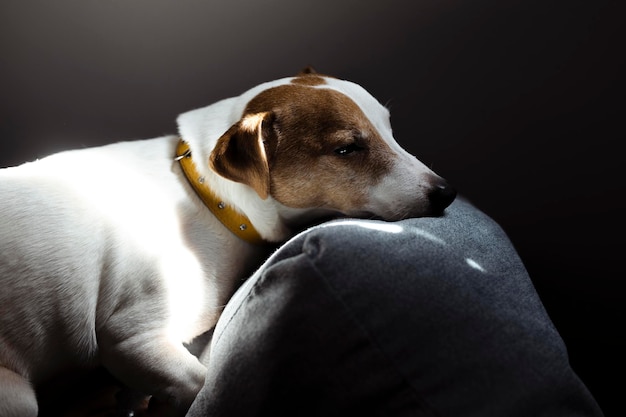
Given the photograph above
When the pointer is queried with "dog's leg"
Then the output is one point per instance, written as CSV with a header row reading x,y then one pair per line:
x,y
157,366
17,397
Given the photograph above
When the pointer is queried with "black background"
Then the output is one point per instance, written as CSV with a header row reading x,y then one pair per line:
x,y
519,104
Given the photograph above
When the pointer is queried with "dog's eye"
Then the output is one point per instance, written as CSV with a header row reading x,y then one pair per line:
x,y
348,149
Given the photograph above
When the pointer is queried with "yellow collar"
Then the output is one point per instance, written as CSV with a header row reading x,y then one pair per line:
x,y
234,221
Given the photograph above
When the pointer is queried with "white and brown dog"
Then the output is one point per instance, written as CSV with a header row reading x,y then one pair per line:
x,y
109,255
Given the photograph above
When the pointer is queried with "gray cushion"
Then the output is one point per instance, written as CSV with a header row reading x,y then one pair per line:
x,y
422,317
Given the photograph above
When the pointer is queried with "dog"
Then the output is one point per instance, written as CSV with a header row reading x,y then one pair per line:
x,y
116,255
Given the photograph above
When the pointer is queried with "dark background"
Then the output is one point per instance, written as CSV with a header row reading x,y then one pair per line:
x,y
519,104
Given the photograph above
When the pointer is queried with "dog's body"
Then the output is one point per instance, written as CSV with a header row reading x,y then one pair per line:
x,y
109,257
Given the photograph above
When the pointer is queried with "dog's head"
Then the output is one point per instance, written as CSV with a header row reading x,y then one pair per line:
x,y
317,142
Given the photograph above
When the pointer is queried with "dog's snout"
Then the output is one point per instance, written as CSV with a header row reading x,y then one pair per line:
x,y
440,196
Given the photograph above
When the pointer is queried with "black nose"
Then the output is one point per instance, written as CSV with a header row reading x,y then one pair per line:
x,y
441,195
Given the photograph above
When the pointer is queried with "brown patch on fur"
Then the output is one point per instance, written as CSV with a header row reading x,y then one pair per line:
x,y
306,128
308,76
311,79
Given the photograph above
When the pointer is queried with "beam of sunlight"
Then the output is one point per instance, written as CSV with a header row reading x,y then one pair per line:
x,y
427,235
381,226
474,264
185,287
378,226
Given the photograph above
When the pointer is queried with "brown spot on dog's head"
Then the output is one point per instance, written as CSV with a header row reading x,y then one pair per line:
x,y
314,147
308,76
309,80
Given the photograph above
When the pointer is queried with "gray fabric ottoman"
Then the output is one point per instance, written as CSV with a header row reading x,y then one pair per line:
x,y
422,317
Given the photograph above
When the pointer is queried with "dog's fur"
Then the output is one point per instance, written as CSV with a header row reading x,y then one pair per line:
x,y
108,257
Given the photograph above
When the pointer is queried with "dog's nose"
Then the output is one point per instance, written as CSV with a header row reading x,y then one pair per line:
x,y
441,195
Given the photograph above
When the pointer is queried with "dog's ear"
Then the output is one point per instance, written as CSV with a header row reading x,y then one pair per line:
x,y
242,153
307,70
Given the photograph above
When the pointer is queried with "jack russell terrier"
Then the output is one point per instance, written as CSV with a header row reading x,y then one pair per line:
x,y
117,255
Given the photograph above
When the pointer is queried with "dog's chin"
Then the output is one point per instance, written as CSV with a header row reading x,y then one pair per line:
x,y
360,214
395,216
319,216
326,215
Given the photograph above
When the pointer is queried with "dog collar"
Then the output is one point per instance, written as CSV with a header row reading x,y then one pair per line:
x,y
234,221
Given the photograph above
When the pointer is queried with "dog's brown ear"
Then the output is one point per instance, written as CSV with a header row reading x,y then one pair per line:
x,y
307,70
241,154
